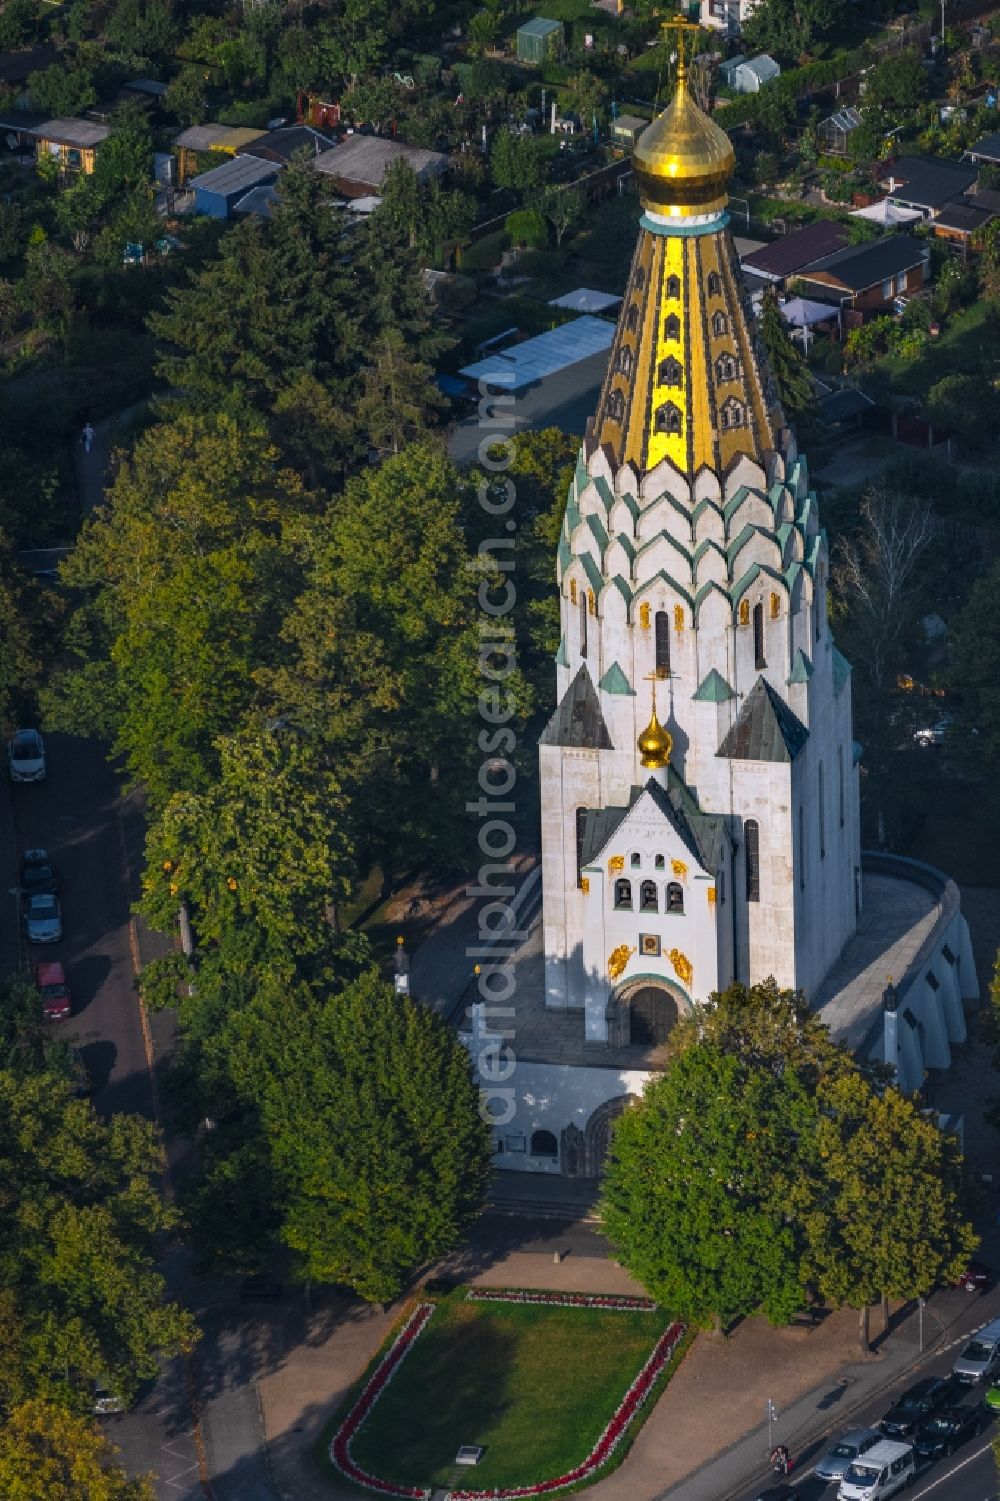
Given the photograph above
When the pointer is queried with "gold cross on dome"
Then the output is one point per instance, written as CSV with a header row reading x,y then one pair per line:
x,y
650,677
683,28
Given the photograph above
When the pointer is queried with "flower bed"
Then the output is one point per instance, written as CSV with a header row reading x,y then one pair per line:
x,y
609,1439
560,1300
340,1448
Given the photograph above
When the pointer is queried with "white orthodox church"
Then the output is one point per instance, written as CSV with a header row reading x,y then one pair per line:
x,y
699,778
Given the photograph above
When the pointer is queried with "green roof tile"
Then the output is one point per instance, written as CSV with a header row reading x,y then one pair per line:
x,y
841,670
802,669
604,491
561,659
713,689
615,681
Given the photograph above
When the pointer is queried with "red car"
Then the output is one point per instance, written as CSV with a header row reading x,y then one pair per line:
x,y
976,1278
51,981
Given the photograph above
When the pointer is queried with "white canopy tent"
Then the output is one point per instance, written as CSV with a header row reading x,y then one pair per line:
x,y
886,213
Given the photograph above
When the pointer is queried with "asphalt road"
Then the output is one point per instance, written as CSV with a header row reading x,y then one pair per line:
x,y
970,1474
74,814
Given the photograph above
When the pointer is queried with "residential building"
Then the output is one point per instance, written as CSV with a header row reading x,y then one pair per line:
x,y
867,278
926,183
986,149
727,16
787,257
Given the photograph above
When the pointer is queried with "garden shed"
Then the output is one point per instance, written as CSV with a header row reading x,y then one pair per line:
x,y
539,39
216,193
835,131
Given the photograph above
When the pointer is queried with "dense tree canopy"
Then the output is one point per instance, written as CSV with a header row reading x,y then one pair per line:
x,y
49,1454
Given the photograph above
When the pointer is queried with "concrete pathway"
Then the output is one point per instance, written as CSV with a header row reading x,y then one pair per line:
x,y
92,467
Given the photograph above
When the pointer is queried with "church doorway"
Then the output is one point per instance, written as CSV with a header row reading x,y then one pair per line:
x,y
652,1015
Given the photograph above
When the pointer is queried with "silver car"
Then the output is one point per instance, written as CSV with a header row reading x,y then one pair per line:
x,y
43,918
26,756
845,1451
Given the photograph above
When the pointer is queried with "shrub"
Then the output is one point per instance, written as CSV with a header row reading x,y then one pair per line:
x,y
484,254
528,227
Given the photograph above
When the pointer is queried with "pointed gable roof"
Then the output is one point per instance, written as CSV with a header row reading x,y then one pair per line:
x,y
765,729
700,833
578,723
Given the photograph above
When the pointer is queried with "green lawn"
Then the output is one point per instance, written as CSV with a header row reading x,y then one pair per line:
x,y
535,1386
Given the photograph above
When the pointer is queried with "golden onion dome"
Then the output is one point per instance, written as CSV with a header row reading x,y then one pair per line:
x,y
655,744
683,160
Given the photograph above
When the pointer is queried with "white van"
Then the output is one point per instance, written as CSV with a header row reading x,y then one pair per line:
x,y
881,1472
980,1359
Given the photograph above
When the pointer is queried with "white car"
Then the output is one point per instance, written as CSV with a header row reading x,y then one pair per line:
x,y
42,918
933,735
26,756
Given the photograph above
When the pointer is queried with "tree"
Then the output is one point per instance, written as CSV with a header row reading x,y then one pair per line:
x,y
47,290
792,28
898,82
62,90
516,161
875,573
79,1298
790,371
18,24
564,208
585,96
261,851
973,656
399,400
363,1107
527,226
185,574
892,1221
48,1454
989,261
706,1167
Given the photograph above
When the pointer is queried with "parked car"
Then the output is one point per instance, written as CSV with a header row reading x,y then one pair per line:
x,y
976,1278
57,1003
106,1402
26,756
919,1402
932,736
942,1434
37,874
43,918
848,1447
980,1360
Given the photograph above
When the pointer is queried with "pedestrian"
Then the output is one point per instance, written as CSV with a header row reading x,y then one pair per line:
x,y
87,436
780,1461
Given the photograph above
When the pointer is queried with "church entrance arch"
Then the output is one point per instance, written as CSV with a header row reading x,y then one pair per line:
x,y
585,1152
644,1012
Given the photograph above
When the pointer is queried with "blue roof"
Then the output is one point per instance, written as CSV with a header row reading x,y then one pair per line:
x,y
237,176
523,365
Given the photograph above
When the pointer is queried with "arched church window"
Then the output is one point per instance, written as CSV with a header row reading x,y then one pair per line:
x,y
725,368
670,371
733,413
668,418
671,326
662,644
544,1144
635,861
714,284
625,360
648,901
583,622
660,863
759,658
673,286
616,406
581,828
640,278
720,324
751,852
675,896
632,318
623,895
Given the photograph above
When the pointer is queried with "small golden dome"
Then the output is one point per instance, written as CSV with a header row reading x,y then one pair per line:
x,y
683,160
655,744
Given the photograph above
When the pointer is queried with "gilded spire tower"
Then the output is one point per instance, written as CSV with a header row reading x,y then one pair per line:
x,y
692,553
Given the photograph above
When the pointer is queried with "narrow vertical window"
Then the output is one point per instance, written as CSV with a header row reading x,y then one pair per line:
x,y
802,849
751,838
822,815
581,825
662,644
759,658
820,604
583,622
840,780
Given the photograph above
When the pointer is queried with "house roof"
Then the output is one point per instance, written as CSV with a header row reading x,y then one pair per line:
x,y
927,181
72,132
525,364
237,176
150,86
260,201
586,300
765,729
281,145
762,66
858,267
964,216
628,122
803,247
366,159
578,723
986,148
216,137
846,119
702,834
539,26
